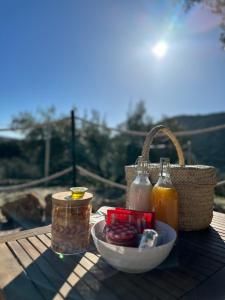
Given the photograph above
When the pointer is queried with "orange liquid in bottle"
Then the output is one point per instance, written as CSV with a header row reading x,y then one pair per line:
x,y
165,201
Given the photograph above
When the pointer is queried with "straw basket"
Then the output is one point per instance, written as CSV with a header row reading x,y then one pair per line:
x,y
194,184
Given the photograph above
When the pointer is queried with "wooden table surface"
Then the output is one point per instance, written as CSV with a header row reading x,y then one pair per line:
x,y
195,269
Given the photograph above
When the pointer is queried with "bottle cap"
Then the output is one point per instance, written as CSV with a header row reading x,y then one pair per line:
x,y
163,161
141,165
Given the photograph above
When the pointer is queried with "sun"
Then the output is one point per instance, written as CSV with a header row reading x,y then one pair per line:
x,y
160,49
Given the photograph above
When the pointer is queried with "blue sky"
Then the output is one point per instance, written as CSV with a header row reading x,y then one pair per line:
x,y
97,54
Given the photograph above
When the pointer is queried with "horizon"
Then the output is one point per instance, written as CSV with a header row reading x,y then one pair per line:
x,y
108,56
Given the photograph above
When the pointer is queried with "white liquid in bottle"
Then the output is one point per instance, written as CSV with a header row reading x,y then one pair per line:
x,y
140,189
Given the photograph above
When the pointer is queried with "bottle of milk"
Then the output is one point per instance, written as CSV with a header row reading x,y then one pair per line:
x,y
140,189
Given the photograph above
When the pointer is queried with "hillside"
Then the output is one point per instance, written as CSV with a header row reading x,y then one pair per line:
x,y
207,148
200,121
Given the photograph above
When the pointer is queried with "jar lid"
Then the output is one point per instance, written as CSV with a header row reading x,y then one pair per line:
x,y
65,199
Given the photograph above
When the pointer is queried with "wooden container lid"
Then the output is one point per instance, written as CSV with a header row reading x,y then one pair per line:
x,y
64,199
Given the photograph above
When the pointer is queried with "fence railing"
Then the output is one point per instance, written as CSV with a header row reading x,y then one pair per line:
x,y
82,171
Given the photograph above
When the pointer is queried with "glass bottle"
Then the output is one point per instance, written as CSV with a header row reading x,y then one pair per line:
x,y
140,188
165,197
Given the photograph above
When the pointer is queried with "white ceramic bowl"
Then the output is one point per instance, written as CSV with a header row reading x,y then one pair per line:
x,y
132,260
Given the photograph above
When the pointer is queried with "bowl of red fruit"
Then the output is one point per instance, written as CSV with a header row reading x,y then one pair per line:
x,y
118,244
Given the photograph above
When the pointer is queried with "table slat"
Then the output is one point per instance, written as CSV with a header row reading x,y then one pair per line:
x,y
213,288
24,234
31,268
61,287
13,280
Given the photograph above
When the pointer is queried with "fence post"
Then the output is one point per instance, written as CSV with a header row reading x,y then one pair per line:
x,y
47,134
73,148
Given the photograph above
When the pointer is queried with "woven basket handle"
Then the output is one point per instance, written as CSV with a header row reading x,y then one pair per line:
x,y
150,136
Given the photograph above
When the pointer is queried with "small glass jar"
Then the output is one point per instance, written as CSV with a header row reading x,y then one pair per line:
x,y
70,223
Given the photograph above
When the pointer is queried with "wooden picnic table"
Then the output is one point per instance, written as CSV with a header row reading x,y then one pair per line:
x,y
195,269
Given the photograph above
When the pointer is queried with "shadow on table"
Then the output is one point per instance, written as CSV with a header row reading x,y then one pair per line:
x,y
87,276
49,276
203,254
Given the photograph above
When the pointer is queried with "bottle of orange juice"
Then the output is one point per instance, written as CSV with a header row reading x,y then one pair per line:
x,y
165,197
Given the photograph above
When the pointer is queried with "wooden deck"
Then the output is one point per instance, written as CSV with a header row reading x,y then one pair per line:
x,y
194,270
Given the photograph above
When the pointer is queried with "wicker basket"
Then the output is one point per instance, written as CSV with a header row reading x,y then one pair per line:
x,y
194,184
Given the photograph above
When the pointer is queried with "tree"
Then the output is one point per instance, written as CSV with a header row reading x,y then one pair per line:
x,y
126,148
94,147
33,145
215,6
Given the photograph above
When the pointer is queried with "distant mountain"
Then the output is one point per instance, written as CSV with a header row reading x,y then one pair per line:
x,y
207,148
200,121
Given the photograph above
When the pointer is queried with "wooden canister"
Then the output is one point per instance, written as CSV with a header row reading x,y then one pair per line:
x,y
70,223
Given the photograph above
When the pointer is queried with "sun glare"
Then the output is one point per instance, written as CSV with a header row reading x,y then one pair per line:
x,y
160,49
